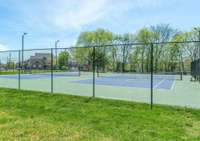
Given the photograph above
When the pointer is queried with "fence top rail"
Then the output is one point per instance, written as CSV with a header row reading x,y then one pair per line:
x,y
106,45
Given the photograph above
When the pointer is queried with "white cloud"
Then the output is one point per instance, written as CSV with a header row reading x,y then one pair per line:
x,y
65,19
67,14
62,14
86,12
3,47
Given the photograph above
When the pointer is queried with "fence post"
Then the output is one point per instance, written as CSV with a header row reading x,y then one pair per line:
x,y
93,67
51,70
181,67
152,65
19,70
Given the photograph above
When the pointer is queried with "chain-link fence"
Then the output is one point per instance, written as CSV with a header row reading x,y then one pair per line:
x,y
160,73
195,66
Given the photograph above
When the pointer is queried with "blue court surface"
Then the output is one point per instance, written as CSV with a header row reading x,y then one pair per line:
x,y
136,81
164,82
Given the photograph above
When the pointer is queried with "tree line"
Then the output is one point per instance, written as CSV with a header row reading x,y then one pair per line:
x,y
132,58
136,58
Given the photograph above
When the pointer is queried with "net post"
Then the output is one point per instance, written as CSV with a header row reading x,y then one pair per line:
x,y
22,63
181,75
93,68
181,68
79,70
51,70
19,70
152,75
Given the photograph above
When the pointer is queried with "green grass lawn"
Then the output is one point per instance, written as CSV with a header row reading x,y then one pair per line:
x,y
35,116
12,72
8,72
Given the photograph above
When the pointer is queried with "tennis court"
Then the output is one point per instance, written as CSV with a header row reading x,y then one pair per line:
x,y
165,82
130,75
167,89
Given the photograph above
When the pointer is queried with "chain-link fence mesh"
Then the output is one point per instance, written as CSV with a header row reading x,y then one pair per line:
x,y
153,72
9,67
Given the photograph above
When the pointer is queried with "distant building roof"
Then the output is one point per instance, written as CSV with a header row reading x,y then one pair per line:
x,y
40,55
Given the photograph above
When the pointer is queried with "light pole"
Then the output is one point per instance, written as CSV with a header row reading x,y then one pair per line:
x,y
56,46
198,52
23,35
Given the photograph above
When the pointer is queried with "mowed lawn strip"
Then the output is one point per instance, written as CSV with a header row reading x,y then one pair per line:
x,y
37,116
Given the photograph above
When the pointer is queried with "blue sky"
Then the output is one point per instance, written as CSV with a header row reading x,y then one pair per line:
x,y
49,20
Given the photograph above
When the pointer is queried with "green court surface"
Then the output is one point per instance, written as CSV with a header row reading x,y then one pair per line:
x,y
183,93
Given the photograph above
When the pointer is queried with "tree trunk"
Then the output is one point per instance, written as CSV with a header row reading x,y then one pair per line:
x,y
143,59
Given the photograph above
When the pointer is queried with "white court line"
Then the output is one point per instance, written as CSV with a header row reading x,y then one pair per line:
x,y
128,80
159,83
173,85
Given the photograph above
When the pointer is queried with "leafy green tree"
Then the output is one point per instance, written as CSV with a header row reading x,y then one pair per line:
x,y
167,57
134,59
98,38
11,65
63,59
191,49
145,36
177,53
161,33
124,39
